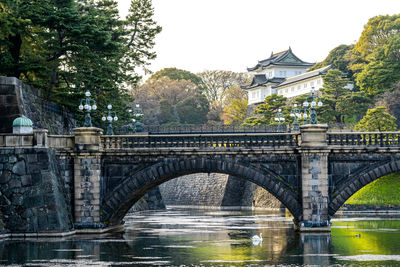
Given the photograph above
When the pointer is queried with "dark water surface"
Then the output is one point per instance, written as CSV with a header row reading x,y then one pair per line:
x,y
182,237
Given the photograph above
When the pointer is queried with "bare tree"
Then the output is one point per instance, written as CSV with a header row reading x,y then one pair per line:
x,y
217,82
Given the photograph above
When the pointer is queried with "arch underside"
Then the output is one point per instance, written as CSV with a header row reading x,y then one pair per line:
x,y
118,202
354,182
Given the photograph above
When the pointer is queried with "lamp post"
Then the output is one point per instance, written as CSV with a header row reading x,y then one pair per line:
x,y
296,113
138,113
108,115
87,104
312,106
279,117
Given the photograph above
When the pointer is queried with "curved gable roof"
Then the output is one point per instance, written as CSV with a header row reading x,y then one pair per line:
x,y
283,58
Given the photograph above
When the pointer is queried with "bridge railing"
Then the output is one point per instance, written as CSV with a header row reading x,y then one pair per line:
x,y
377,139
200,140
61,141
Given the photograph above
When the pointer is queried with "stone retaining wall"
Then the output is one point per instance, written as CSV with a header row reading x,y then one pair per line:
x,y
32,197
17,98
217,190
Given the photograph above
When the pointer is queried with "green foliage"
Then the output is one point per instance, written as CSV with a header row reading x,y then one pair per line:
x,y
167,112
337,58
67,47
235,112
193,110
178,74
377,119
384,191
375,57
383,68
268,110
340,103
166,100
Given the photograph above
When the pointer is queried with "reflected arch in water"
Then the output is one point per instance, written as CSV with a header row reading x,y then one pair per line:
x,y
355,181
135,185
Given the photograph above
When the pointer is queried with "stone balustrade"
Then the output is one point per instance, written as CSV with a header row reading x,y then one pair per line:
x,y
201,140
364,139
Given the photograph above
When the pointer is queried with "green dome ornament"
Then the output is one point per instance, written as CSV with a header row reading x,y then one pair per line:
x,y
22,125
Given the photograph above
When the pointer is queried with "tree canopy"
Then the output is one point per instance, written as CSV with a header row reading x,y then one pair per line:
x,y
67,47
268,110
377,119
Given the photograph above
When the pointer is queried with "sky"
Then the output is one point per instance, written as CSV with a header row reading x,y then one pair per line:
x,y
232,35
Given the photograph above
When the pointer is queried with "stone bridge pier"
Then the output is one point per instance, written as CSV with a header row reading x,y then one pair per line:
x,y
314,178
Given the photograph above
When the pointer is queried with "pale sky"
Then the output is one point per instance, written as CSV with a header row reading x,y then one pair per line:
x,y
232,35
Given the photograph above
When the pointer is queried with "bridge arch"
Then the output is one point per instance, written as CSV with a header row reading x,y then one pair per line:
x,y
118,202
356,181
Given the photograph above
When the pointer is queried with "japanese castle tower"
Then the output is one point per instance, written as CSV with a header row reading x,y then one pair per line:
x,y
284,74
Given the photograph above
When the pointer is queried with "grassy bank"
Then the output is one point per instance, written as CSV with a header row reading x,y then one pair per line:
x,y
384,191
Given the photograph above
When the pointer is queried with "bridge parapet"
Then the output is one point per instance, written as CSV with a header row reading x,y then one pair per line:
x,y
251,140
36,139
364,139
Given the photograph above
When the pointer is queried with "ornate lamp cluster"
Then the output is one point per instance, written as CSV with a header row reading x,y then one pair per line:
x,y
279,118
309,111
110,116
87,104
138,114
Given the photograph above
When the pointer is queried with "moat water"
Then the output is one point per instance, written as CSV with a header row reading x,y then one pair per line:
x,y
182,237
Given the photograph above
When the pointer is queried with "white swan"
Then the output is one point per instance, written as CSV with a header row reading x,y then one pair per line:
x,y
257,238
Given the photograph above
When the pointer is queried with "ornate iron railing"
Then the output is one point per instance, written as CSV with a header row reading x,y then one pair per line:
x,y
200,140
380,139
202,129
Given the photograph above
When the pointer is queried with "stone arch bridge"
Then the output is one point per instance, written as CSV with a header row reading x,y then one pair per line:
x,y
312,172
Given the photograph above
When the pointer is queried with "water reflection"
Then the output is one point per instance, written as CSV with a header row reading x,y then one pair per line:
x,y
223,238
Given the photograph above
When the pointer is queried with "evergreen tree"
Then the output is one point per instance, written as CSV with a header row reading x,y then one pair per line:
x,y
339,101
377,119
68,47
375,57
268,110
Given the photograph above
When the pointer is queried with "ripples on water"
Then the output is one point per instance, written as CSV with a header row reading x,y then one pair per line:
x,y
217,238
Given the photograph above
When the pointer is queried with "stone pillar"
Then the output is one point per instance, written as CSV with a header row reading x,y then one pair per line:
x,y
40,138
314,173
87,165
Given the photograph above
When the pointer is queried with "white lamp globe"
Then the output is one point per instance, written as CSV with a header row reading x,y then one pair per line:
x,y
94,107
86,106
87,94
103,118
313,104
115,118
320,103
305,115
305,103
109,118
81,107
109,106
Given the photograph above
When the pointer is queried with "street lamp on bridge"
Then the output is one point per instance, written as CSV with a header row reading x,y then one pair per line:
x,y
137,114
311,107
279,117
108,115
296,113
87,104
